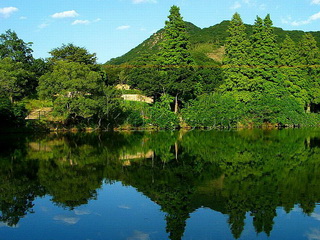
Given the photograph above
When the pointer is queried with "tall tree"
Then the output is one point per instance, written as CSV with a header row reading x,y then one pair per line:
x,y
174,54
175,45
237,50
310,59
264,58
291,72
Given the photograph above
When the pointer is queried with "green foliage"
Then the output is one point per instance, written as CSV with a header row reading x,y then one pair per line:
x,y
134,113
174,50
11,115
212,110
72,53
13,78
73,87
15,48
161,116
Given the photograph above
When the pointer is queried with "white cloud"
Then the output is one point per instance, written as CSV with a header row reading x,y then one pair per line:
x,y
315,2
315,17
43,25
312,18
262,6
23,18
85,22
97,20
124,27
144,1
65,14
82,22
7,11
235,6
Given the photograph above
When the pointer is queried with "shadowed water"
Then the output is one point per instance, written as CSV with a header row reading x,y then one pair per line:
x,y
247,184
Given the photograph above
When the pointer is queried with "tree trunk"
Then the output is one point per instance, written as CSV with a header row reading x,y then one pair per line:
x,y
308,110
176,105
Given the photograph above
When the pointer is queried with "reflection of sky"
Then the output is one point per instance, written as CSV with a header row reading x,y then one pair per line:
x,y
120,212
123,213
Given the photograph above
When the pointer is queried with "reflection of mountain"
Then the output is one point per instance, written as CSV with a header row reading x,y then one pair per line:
x,y
230,172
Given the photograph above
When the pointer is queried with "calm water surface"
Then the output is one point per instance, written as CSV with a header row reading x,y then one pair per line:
x,y
248,184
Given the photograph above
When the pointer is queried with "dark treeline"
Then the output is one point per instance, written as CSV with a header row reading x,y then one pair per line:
x,y
230,172
254,80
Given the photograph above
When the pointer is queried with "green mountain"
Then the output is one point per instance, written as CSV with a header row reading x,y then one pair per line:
x,y
206,43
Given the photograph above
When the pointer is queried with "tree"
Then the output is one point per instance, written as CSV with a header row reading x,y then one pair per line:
x,y
175,45
291,72
11,46
13,78
15,48
72,53
174,54
237,49
309,58
73,87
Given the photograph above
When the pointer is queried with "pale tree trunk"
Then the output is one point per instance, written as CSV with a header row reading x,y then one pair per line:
x,y
176,105
176,149
308,110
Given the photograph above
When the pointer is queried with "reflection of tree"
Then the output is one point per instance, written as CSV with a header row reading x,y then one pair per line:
x,y
231,172
19,185
70,186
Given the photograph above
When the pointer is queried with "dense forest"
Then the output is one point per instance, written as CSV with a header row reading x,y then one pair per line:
x,y
228,75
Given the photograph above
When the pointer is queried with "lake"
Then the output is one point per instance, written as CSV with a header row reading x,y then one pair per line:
x,y
239,184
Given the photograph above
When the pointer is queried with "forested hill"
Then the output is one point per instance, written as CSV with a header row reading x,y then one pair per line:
x,y
205,43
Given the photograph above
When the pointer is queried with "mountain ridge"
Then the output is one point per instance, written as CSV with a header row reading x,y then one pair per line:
x,y
205,43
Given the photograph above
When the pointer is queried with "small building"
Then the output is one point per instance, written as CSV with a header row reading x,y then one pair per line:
x,y
137,98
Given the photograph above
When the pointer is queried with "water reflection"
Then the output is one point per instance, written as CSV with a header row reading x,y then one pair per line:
x,y
232,172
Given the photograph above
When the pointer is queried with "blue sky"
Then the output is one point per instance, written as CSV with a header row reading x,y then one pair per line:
x,y
110,28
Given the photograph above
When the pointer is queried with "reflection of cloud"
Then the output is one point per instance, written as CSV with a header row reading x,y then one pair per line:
x,y
2,224
44,209
316,216
68,220
137,235
81,212
314,234
124,207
